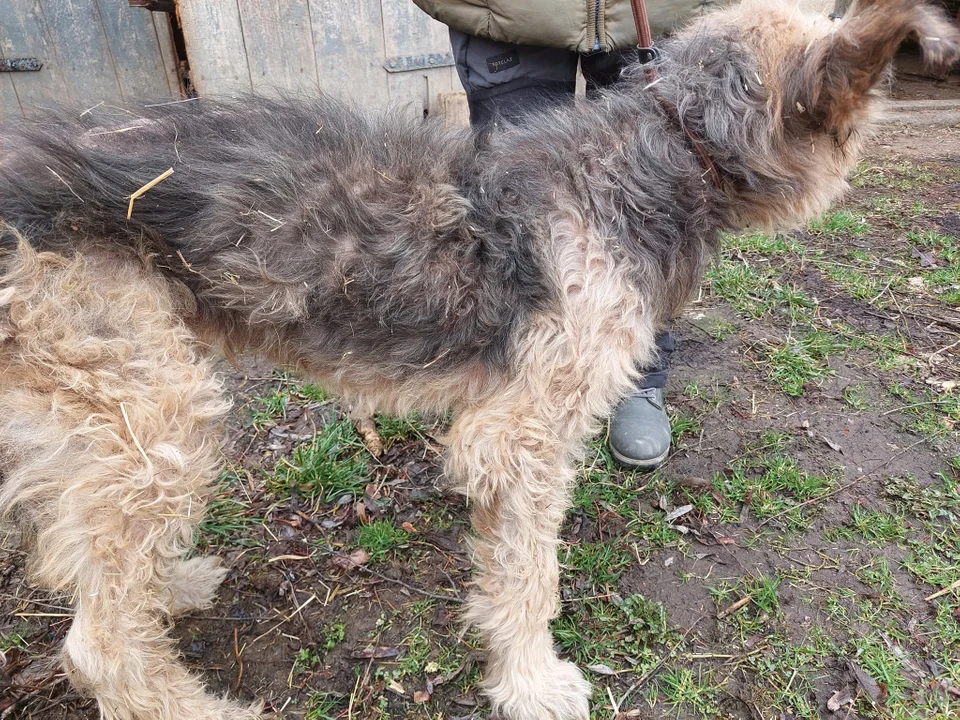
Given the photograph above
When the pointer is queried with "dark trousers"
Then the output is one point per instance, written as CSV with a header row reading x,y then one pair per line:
x,y
507,80
503,80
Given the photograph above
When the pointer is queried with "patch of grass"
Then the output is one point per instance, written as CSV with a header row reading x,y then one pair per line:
x,y
944,279
839,223
931,414
770,483
305,659
311,392
682,426
602,563
601,631
902,175
897,211
682,689
861,283
414,661
323,706
938,501
877,575
16,638
398,429
764,244
722,330
270,409
754,617
878,528
711,396
327,467
333,635
856,397
380,538
800,361
755,293
227,519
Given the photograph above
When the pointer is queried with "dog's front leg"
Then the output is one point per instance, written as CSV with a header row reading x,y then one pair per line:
x,y
514,470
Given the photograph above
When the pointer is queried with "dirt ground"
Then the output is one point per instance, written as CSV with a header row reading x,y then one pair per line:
x,y
797,557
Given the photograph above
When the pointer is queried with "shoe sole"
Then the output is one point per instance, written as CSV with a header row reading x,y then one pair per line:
x,y
642,465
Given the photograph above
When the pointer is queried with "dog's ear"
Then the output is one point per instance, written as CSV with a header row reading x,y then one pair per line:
x,y
841,68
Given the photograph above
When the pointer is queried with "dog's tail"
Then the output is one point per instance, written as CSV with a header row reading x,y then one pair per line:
x,y
66,177
69,175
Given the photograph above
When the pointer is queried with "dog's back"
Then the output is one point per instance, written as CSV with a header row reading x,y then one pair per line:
x,y
335,232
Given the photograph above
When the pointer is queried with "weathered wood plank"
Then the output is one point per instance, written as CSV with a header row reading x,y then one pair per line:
x,y
9,104
279,45
24,33
215,46
135,47
410,31
348,39
85,59
161,24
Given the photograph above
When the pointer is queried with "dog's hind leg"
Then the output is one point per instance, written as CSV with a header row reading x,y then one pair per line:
x,y
106,418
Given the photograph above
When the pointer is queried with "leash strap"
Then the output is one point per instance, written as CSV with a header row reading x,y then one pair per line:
x,y
646,54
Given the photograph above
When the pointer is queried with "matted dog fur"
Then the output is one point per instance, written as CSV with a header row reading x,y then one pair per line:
x,y
515,277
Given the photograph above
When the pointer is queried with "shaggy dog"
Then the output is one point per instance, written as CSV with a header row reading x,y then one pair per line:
x,y
517,278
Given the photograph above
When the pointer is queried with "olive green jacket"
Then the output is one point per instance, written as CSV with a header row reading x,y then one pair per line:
x,y
581,25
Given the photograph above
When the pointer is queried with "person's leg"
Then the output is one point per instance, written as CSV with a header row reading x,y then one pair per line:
x,y
639,427
503,80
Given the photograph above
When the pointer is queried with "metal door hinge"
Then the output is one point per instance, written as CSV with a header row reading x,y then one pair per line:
x,y
405,63
155,5
20,65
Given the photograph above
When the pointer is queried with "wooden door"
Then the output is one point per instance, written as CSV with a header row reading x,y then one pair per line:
x,y
91,51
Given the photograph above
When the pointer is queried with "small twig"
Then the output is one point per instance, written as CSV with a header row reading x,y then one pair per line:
x,y
656,668
840,489
156,181
445,598
57,176
885,288
953,586
940,351
172,102
126,419
742,602
915,405
236,654
90,109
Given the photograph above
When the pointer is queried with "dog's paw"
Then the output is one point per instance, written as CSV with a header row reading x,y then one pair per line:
x,y
552,690
194,584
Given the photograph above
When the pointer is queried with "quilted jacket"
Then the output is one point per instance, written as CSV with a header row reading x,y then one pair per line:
x,y
582,25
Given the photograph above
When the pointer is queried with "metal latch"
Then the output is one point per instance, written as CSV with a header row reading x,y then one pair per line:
x,y
405,63
20,65
167,6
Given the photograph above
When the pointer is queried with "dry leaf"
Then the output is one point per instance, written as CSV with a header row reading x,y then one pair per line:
x,y
869,685
679,512
349,562
601,670
838,700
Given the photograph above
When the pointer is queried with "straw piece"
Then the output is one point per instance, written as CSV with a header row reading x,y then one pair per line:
x,y
157,180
